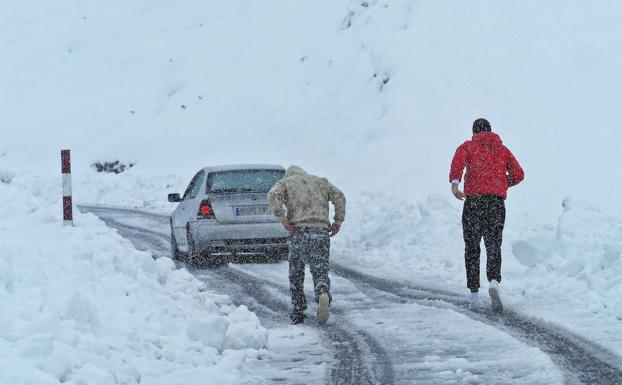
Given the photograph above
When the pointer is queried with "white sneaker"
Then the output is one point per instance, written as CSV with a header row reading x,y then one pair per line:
x,y
493,290
322,311
474,302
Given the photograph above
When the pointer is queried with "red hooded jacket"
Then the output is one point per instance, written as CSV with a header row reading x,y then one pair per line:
x,y
490,167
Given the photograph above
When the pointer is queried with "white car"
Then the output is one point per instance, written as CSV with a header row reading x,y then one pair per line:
x,y
225,213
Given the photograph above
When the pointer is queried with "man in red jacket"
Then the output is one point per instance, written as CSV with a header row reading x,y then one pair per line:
x,y
490,170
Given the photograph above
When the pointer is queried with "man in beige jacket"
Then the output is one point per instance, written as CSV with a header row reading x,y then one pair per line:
x,y
306,198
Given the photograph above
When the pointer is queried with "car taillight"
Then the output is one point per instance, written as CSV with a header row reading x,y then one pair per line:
x,y
205,210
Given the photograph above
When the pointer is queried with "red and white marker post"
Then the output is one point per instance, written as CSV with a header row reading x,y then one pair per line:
x,y
67,204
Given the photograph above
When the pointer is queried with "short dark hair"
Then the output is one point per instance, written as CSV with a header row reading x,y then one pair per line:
x,y
481,125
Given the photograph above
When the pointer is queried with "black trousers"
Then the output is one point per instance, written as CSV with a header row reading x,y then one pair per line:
x,y
483,216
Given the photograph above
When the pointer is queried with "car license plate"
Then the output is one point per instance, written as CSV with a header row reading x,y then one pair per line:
x,y
251,210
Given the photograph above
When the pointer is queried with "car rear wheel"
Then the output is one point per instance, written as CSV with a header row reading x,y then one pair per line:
x,y
200,259
174,249
193,257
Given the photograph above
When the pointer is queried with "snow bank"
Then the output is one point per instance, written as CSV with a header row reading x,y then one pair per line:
x,y
578,265
587,242
81,305
133,188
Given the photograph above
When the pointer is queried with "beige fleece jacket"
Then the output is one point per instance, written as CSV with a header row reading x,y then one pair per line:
x,y
306,198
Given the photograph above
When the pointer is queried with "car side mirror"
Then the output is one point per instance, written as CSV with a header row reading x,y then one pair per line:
x,y
174,198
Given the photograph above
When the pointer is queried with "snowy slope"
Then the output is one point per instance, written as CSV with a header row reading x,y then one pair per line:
x,y
209,82
374,94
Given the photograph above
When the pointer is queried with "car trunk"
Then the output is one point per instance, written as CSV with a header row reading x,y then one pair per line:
x,y
232,208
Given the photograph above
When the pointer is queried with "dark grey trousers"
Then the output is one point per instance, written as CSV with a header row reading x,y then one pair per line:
x,y
312,246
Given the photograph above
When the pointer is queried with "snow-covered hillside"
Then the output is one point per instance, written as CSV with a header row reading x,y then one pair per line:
x,y
374,94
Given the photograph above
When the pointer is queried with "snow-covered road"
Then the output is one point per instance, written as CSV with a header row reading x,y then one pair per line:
x,y
384,332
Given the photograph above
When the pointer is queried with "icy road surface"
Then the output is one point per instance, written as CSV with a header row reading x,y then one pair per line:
x,y
384,332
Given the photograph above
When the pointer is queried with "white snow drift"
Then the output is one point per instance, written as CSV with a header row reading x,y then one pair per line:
x,y
81,306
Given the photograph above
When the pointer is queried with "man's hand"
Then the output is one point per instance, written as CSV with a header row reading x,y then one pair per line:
x,y
288,225
334,229
456,191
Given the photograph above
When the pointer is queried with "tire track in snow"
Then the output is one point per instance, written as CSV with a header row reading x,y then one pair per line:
x,y
584,362
359,359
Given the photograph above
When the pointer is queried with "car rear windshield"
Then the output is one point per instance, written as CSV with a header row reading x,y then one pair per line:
x,y
243,180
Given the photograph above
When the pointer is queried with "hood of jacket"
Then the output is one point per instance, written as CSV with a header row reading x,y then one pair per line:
x,y
488,140
294,170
